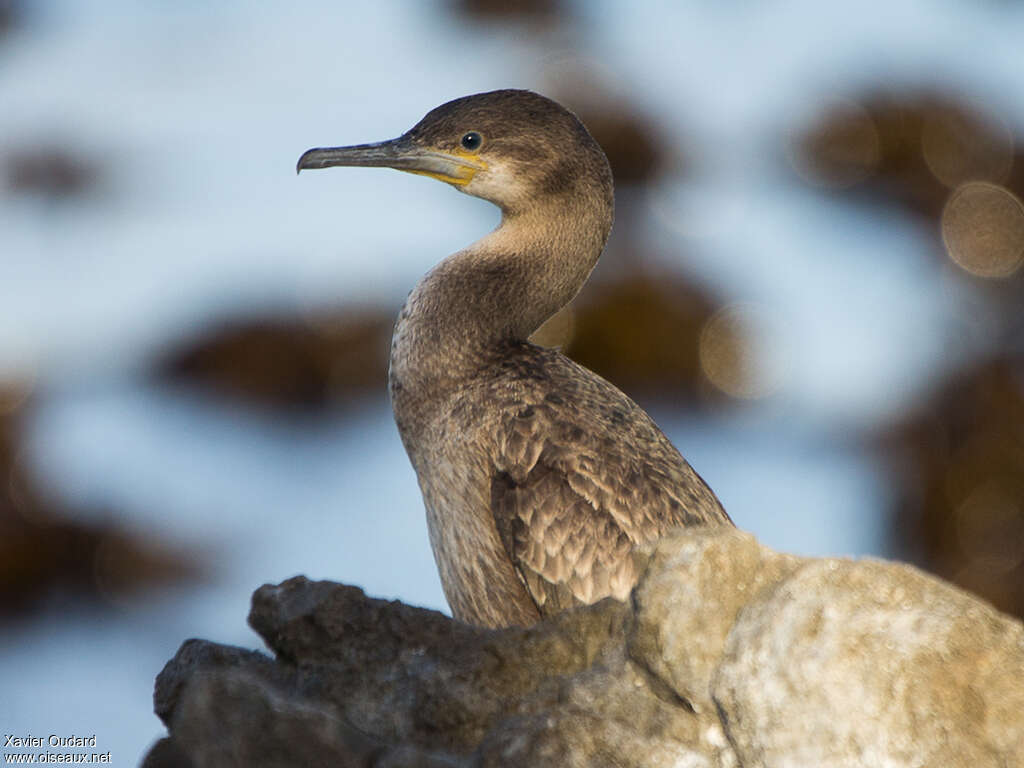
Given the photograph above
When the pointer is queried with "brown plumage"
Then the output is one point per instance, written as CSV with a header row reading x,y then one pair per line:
x,y
539,477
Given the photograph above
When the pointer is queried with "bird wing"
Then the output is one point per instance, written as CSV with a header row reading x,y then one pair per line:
x,y
570,505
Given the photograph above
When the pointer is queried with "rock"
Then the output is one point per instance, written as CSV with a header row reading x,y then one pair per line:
x,y
237,719
166,753
688,602
728,655
871,663
416,676
210,657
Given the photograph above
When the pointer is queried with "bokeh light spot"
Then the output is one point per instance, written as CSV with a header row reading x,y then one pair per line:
x,y
983,229
728,356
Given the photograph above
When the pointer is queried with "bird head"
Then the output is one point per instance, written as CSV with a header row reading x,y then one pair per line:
x,y
514,148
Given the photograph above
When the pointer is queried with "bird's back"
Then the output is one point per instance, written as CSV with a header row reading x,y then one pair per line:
x,y
572,476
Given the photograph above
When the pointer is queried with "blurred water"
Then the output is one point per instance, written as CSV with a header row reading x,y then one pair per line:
x,y
197,113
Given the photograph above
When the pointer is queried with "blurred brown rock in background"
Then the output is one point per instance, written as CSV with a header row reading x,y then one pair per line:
x,y
11,14
45,552
910,148
508,10
637,147
956,461
957,465
307,363
630,141
641,333
51,172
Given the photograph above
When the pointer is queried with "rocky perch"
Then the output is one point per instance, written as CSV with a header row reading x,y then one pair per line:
x,y
729,654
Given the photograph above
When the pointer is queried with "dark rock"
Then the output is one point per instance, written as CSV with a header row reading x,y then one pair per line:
x,y
381,656
209,657
166,753
371,681
232,717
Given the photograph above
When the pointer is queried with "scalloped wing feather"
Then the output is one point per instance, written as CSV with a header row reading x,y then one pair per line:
x,y
570,505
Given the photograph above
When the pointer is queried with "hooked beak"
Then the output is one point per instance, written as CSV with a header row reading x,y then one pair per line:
x,y
401,154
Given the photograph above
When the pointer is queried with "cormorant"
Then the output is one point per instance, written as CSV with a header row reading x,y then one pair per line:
x,y
539,477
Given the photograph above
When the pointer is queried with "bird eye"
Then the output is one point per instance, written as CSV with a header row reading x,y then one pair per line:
x,y
472,141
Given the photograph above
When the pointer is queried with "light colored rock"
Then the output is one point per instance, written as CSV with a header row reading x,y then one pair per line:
x,y
696,583
868,663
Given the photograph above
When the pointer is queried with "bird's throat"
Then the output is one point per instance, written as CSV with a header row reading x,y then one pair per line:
x,y
499,289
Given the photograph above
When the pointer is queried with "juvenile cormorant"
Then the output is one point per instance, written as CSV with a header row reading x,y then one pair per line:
x,y
538,475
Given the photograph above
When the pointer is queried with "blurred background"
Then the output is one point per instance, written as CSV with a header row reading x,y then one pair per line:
x,y
814,284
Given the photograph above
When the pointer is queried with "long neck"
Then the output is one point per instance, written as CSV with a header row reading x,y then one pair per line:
x,y
500,289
